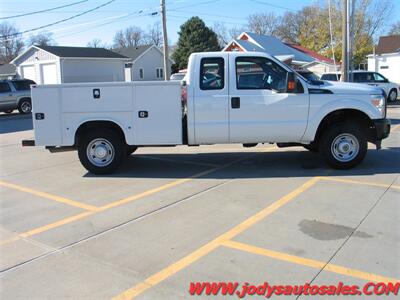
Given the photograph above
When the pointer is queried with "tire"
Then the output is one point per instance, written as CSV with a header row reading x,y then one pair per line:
x,y
311,147
25,106
343,145
130,150
101,151
392,96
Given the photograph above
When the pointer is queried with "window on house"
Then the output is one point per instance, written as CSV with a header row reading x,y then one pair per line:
x,y
159,72
141,73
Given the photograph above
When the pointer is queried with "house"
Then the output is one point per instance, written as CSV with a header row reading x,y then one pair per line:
x,y
59,64
248,41
294,55
7,71
145,63
320,65
386,59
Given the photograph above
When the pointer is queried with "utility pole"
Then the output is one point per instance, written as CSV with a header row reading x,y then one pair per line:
x,y
345,39
165,40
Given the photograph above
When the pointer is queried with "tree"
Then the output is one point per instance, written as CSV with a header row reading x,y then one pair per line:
x,y
153,35
43,38
309,27
96,43
130,37
224,34
194,36
395,29
11,45
263,23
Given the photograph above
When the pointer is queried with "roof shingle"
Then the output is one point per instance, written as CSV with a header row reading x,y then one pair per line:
x,y
62,51
388,44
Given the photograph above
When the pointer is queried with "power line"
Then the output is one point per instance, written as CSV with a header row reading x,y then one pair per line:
x,y
273,5
42,11
57,22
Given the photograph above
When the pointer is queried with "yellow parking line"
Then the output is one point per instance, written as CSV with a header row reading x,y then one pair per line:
x,y
207,248
166,186
397,187
394,128
308,262
48,196
114,204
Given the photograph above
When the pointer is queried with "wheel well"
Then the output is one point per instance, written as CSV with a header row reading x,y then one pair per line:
x,y
97,125
343,115
23,98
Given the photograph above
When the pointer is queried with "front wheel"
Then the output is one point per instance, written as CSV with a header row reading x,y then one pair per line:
x,y
102,151
392,95
25,106
344,145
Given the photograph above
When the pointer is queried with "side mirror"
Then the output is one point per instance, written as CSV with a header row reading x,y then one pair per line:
x,y
291,82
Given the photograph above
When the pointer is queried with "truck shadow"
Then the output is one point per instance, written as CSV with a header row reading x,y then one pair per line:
x,y
285,164
15,122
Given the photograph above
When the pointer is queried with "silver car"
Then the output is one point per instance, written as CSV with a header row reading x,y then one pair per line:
x,y
16,94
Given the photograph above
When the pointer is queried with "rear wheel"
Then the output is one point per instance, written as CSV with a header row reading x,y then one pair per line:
x,y
101,151
392,95
25,106
344,145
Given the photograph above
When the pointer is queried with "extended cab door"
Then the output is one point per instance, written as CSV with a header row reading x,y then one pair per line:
x,y
211,100
260,108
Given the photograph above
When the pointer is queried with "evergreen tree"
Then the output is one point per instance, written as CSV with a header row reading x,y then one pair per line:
x,y
194,36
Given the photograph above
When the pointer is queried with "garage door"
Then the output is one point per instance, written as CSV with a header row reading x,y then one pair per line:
x,y
28,72
48,73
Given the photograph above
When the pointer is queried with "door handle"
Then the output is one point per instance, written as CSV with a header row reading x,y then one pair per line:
x,y
235,102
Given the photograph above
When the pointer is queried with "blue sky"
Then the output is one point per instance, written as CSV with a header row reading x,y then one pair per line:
x,y
104,22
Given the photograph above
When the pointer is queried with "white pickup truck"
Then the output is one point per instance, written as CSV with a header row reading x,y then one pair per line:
x,y
227,97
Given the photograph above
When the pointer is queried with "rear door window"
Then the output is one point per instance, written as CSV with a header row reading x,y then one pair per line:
x,y
212,73
4,87
22,85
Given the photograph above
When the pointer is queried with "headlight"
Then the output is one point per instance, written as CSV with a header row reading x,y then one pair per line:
x,y
379,102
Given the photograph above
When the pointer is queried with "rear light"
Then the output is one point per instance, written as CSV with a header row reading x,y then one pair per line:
x,y
184,94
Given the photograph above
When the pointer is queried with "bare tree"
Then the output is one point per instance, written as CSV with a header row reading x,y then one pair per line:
x,y
263,23
96,43
130,37
395,29
222,34
43,38
153,35
225,35
11,45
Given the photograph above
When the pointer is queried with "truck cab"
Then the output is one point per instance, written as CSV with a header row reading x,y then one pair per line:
x,y
229,97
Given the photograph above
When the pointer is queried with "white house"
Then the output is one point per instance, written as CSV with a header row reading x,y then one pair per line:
x,y
295,55
58,64
386,59
146,63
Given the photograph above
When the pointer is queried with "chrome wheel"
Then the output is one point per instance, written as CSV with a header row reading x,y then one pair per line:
x,y
26,107
345,147
393,95
100,152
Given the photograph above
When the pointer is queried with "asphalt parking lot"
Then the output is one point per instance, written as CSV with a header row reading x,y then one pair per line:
x,y
172,216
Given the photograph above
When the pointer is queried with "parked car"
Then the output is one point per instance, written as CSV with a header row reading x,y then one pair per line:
x,y
108,121
16,94
372,78
178,76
